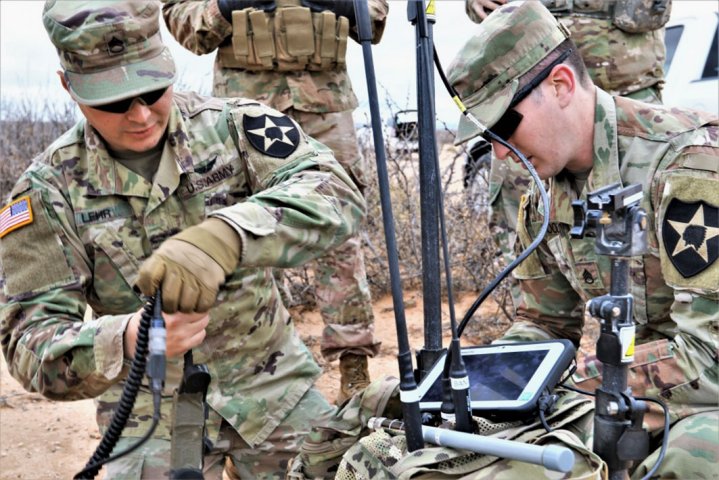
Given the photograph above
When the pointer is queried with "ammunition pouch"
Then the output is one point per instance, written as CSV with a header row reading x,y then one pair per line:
x,y
632,16
289,38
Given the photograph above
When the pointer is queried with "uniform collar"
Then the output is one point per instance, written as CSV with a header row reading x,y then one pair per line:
x,y
605,169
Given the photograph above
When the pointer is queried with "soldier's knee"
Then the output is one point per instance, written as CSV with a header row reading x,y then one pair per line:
x,y
692,451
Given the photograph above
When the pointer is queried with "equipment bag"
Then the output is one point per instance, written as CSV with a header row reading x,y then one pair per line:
x,y
383,454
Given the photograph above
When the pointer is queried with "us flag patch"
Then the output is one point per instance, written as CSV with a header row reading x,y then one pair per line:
x,y
15,215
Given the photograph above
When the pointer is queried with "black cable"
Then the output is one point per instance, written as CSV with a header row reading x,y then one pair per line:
x,y
490,136
579,390
665,436
543,419
545,405
572,368
127,401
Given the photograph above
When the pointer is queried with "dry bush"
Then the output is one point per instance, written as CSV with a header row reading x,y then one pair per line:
x,y
474,256
27,129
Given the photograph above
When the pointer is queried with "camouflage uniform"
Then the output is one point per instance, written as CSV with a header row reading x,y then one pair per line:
x,y
619,62
322,103
92,222
673,153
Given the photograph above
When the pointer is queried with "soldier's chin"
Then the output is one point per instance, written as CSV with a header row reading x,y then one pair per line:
x,y
143,140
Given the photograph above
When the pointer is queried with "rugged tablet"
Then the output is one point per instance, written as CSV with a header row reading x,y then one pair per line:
x,y
503,379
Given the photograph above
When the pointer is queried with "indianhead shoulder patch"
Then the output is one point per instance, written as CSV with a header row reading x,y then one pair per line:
x,y
690,233
274,136
15,215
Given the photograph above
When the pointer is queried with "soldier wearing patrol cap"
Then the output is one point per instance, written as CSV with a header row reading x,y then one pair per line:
x,y
197,196
522,76
622,45
291,55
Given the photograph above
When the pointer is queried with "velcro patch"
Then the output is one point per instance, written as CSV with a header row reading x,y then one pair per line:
x,y
15,215
691,235
274,136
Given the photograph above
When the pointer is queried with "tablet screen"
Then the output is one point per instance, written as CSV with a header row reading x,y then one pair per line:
x,y
500,376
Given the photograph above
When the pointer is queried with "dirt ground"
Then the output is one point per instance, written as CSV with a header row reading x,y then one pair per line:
x,y
61,436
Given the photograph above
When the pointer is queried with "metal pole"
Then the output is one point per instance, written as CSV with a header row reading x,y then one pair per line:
x,y
428,182
408,384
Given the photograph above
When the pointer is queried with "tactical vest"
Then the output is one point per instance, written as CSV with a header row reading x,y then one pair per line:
x,y
289,38
633,16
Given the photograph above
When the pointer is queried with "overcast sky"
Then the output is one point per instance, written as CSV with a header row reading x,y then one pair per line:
x,y
28,61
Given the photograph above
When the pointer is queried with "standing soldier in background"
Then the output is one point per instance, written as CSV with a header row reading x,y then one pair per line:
x,y
198,196
290,55
622,45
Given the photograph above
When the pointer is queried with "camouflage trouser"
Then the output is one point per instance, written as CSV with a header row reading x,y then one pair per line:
x,y
340,279
692,451
267,460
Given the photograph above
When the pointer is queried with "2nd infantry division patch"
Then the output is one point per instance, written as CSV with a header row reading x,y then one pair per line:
x,y
274,136
691,236
15,215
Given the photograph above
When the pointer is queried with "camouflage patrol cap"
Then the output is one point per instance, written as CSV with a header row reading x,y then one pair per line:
x,y
109,50
486,72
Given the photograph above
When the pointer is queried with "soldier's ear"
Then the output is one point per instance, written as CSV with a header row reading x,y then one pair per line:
x,y
63,80
564,83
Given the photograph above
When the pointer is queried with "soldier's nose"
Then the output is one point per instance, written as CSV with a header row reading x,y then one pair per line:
x,y
500,151
139,112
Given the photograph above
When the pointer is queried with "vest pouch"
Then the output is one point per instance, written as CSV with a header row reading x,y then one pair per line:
x,y
240,37
325,24
639,16
252,47
294,38
343,31
263,48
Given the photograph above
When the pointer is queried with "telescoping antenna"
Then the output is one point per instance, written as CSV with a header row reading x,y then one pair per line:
x,y
408,384
455,381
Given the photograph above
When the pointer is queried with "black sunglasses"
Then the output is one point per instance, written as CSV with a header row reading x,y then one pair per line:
x,y
122,106
509,122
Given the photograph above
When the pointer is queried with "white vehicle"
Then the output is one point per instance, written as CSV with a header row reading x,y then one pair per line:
x,y
404,134
691,69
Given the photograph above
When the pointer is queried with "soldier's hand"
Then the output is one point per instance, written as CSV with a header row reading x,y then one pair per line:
x,y
478,10
184,332
191,266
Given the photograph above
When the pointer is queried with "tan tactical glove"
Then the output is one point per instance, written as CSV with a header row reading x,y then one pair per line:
x,y
191,266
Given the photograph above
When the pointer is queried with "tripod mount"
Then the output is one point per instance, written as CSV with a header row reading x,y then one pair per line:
x,y
613,216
